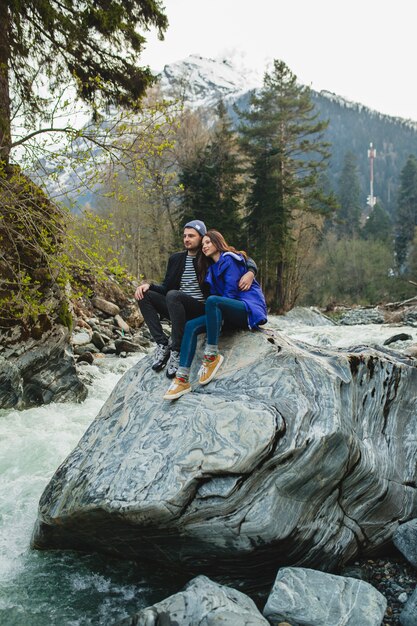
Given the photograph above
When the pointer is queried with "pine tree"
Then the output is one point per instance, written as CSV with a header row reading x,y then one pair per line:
x,y
96,42
283,139
406,212
349,197
212,182
378,226
96,45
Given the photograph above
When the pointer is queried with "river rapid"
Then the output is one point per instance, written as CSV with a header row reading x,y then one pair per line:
x,y
67,588
51,588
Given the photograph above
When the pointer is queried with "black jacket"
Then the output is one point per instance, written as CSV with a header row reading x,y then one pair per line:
x,y
175,270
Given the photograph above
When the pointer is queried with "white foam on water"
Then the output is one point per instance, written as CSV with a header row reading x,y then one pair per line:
x,y
341,336
33,443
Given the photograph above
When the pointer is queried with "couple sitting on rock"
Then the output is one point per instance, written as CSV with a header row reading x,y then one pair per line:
x,y
210,282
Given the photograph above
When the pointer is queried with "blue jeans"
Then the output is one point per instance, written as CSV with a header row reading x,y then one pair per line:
x,y
218,308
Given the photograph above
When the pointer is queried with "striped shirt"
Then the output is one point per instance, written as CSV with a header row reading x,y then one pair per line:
x,y
189,283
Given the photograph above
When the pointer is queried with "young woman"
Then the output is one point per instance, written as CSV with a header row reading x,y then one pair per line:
x,y
237,309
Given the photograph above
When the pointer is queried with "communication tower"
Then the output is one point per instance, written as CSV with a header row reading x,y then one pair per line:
x,y
371,200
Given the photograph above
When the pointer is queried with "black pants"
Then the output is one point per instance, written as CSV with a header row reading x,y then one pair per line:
x,y
176,306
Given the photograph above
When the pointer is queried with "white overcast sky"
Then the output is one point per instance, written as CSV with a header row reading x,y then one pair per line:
x,y
363,50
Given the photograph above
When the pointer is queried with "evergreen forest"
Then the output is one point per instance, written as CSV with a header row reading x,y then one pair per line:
x,y
265,174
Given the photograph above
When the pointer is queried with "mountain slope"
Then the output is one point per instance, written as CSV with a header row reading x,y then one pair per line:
x,y
352,126
202,82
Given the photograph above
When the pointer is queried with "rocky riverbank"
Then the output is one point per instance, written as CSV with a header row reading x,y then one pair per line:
x,y
38,370
103,327
294,455
391,575
41,362
379,597
394,577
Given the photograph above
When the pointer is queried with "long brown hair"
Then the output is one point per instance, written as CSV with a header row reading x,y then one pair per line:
x,y
221,244
217,239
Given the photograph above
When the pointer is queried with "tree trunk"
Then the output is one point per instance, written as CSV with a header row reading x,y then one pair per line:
x,y
279,297
5,134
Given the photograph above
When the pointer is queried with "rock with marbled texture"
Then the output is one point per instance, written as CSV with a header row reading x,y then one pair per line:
x,y
306,597
293,455
39,371
201,603
405,539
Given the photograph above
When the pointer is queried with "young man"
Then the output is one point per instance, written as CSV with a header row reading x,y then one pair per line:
x,y
179,298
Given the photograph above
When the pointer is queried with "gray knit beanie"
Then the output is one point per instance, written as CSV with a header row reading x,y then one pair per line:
x,y
198,225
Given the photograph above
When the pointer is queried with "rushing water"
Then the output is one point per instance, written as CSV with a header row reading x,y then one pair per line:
x,y
62,588
66,588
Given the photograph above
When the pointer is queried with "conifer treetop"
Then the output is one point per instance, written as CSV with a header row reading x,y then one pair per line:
x,y
97,43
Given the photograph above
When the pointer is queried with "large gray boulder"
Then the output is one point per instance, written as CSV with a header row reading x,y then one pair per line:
x,y
37,371
300,316
201,603
305,597
405,539
294,455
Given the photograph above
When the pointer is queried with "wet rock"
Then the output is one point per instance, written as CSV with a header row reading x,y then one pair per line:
x,y
202,603
311,598
410,317
405,539
39,371
124,345
399,337
293,455
303,316
110,348
98,340
86,357
144,342
353,571
89,347
362,316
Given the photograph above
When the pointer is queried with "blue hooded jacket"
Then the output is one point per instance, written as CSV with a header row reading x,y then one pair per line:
x,y
223,278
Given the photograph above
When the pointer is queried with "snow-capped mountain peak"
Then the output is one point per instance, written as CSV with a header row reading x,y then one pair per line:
x,y
205,81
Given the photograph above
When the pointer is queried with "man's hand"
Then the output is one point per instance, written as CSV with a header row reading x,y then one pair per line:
x,y
142,289
246,281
